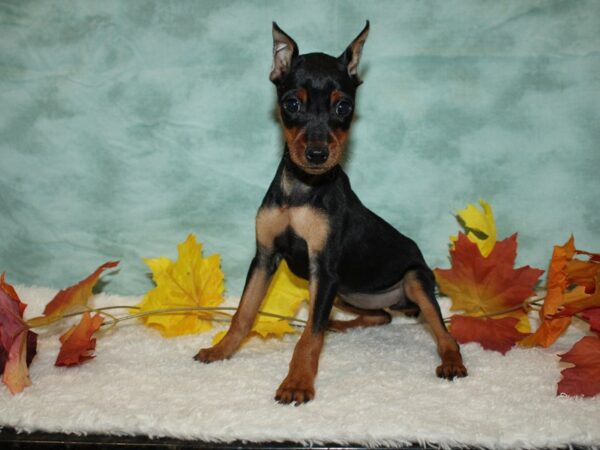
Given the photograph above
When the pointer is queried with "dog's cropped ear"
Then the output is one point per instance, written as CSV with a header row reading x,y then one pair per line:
x,y
351,56
284,51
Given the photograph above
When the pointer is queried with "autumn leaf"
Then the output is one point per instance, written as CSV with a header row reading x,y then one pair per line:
x,y
584,378
71,299
76,295
585,272
284,297
592,316
584,296
10,291
77,343
17,342
479,226
189,282
576,301
31,351
481,285
499,335
562,300
549,330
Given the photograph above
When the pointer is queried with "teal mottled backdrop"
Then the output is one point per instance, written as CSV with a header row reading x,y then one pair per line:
x,y
125,125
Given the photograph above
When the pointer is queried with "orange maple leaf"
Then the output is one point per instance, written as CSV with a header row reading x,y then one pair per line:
x,y
482,285
584,378
493,334
562,301
77,343
586,295
17,342
576,301
69,299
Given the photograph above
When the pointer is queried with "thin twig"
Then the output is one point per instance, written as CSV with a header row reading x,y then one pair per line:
x,y
529,303
213,309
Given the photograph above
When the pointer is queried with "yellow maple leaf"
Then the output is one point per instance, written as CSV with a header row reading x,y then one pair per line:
x,y
190,281
284,297
479,226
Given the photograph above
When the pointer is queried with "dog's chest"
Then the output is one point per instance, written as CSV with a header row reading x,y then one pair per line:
x,y
274,223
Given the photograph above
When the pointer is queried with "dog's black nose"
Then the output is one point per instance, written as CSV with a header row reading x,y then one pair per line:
x,y
317,155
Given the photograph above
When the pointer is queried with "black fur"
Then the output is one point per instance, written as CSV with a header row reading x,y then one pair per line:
x,y
363,253
311,218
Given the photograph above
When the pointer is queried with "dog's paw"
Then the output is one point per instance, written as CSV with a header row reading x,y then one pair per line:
x,y
208,355
451,370
296,392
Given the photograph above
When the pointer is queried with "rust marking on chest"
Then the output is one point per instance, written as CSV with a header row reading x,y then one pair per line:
x,y
270,223
311,225
307,222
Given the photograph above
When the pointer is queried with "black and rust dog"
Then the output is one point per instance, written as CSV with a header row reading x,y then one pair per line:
x,y
311,218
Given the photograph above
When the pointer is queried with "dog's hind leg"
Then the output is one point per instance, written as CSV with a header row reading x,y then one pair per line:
x,y
408,308
366,317
419,288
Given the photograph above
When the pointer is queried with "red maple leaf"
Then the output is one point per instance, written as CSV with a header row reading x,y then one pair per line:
x,y
31,351
493,334
593,317
584,378
17,343
77,343
482,285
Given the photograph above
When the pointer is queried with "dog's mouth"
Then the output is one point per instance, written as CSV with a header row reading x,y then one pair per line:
x,y
315,170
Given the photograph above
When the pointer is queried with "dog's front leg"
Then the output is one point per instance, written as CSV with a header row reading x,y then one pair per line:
x,y
270,222
299,384
257,282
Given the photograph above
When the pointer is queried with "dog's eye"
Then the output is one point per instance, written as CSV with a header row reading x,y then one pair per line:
x,y
291,105
343,108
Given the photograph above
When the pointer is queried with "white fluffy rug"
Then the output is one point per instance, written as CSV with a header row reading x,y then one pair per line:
x,y
375,387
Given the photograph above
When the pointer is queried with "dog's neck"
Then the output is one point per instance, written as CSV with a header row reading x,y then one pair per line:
x,y
295,181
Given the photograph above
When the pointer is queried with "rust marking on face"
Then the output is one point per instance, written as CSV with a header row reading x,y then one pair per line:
x,y
296,142
335,96
311,225
340,136
302,95
337,139
270,223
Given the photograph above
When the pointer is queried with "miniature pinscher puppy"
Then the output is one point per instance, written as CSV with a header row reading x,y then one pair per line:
x,y
311,218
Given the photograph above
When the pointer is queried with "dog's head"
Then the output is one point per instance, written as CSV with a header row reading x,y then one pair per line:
x,y
316,95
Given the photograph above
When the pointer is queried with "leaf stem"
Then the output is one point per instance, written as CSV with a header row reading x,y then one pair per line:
x,y
216,309
533,301
164,311
222,310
